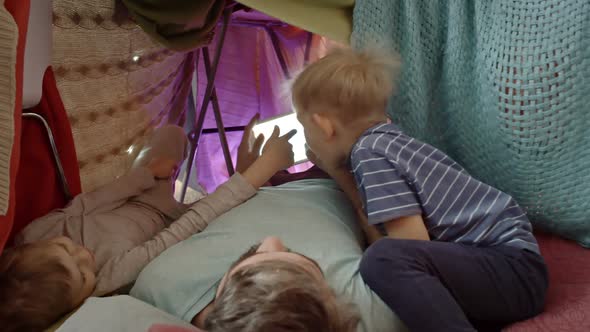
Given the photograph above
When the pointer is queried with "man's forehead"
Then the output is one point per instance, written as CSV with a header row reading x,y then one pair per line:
x,y
253,250
247,254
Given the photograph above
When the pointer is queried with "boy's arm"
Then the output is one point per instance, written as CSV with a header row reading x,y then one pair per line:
x,y
345,180
410,227
122,270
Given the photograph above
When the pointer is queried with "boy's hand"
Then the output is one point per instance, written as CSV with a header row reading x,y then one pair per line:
x,y
249,149
162,168
278,152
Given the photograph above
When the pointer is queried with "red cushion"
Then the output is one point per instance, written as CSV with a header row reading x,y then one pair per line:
x,y
567,306
19,9
39,192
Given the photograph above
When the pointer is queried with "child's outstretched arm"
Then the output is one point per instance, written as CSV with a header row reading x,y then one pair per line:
x,y
276,155
122,270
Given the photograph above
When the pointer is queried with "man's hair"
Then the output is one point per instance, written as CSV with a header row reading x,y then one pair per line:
x,y
34,289
355,83
277,296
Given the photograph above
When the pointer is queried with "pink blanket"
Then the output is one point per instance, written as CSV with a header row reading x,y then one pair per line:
x,y
568,300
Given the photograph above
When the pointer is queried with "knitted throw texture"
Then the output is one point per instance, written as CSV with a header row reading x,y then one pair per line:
x,y
503,87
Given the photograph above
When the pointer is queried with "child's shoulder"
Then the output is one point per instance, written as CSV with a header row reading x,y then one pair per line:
x,y
381,140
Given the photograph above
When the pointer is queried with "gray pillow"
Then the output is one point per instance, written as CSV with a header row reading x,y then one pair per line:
x,y
118,314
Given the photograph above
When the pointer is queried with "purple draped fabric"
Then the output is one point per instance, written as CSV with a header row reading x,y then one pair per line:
x,y
249,80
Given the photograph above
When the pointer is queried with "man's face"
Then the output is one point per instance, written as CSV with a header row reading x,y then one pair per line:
x,y
272,248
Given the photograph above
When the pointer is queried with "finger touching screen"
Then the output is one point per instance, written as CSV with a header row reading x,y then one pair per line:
x,y
285,123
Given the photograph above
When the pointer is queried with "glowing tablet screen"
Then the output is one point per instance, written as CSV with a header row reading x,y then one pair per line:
x,y
285,123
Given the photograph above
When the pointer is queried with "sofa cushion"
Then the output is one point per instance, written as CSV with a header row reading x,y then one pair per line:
x,y
567,305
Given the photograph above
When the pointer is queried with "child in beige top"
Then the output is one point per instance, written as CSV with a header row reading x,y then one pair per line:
x,y
102,240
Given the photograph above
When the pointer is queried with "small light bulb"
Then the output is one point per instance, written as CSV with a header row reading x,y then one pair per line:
x,y
135,58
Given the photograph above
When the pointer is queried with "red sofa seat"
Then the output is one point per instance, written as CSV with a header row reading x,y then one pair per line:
x,y
567,305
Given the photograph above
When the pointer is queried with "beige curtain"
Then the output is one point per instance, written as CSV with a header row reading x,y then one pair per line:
x,y
8,43
117,85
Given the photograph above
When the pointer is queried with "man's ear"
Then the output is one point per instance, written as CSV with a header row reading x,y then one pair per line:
x,y
325,124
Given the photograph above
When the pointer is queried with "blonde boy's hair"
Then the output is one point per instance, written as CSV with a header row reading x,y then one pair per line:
x,y
353,83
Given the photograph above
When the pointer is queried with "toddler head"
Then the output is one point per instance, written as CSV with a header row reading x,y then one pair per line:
x,y
42,281
341,95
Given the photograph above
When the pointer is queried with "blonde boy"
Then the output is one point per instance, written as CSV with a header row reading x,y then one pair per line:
x,y
447,251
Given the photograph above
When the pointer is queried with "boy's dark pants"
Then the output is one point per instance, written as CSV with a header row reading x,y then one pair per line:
x,y
439,286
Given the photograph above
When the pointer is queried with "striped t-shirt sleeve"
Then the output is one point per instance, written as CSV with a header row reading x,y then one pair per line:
x,y
386,195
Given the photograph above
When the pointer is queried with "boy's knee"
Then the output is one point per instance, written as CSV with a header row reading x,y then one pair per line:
x,y
369,269
377,257
387,257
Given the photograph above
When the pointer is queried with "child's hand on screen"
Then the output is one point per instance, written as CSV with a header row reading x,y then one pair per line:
x,y
278,152
276,155
249,149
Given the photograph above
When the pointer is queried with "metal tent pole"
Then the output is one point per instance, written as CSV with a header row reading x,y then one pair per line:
x,y
195,135
307,48
60,170
276,44
218,118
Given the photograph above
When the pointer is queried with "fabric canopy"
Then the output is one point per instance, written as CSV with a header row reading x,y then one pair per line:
x,y
328,18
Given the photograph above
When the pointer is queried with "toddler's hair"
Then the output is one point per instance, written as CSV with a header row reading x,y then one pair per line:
x,y
276,296
34,289
352,82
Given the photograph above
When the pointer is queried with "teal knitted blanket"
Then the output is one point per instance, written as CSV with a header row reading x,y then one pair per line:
x,y
503,87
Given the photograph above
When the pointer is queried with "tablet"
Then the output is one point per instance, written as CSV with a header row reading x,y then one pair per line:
x,y
285,123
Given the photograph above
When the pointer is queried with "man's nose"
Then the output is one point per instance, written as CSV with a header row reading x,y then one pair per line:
x,y
271,244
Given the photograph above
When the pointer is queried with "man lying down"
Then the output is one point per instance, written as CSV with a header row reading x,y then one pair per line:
x,y
286,260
